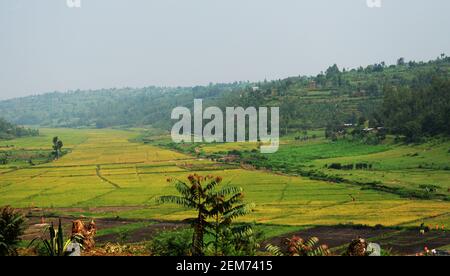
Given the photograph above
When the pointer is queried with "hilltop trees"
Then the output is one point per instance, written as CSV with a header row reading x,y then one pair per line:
x,y
420,110
306,101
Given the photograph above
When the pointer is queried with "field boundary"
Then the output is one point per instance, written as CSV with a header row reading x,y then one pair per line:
x,y
99,174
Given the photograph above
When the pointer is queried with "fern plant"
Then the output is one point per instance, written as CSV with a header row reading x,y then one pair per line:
x,y
296,246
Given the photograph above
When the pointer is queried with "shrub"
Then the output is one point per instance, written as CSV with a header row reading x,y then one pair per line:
x,y
335,166
11,228
172,243
234,241
357,248
429,188
296,246
56,245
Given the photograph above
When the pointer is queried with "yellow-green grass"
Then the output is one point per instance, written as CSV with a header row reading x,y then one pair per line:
x,y
71,138
433,221
226,147
106,170
246,146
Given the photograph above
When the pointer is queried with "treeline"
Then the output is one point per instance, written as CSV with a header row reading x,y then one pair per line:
x,y
413,107
10,131
407,98
109,107
339,97
419,110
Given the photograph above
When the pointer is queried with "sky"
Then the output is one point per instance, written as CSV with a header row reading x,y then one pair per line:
x,y
46,46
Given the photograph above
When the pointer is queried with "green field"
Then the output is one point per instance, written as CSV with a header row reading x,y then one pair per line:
x,y
106,175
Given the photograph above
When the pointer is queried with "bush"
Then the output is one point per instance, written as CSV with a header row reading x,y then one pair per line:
x,y
172,243
235,241
11,228
296,246
56,245
335,166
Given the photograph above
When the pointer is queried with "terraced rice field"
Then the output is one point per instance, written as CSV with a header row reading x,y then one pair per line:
x,y
106,175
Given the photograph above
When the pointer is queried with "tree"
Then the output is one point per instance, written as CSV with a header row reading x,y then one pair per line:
x,y
401,61
332,71
418,110
11,131
333,129
194,195
216,208
57,147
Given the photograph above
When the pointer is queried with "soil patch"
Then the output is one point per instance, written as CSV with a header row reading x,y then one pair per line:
x,y
402,242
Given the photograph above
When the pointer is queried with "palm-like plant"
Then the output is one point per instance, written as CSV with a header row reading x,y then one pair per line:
x,y
194,195
225,206
219,206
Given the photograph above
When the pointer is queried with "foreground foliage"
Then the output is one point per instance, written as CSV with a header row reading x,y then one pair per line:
x,y
11,228
56,245
296,246
172,243
216,209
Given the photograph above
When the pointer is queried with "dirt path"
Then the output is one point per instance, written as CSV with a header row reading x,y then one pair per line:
x,y
35,228
143,234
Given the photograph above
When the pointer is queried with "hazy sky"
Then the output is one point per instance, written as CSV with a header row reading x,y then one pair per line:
x,y
47,46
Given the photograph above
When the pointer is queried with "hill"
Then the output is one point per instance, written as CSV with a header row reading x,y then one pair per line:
x,y
335,96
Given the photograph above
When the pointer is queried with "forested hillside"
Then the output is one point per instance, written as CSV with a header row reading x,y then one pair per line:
x,y
392,96
403,97
108,107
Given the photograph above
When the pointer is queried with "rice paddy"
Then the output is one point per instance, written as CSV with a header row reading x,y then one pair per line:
x,y
105,170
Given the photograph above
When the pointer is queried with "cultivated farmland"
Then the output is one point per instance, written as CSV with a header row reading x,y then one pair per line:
x,y
106,175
